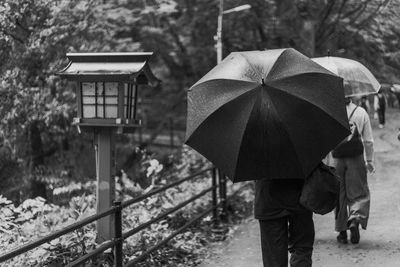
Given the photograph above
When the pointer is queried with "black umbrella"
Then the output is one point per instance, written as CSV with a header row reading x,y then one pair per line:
x,y
266,114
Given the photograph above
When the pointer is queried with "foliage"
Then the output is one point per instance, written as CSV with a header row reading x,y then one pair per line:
x,y
364,31
35,218
37,107
188,248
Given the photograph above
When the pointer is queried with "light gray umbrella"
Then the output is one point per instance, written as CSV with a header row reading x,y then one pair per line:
x,y
395,88
358,80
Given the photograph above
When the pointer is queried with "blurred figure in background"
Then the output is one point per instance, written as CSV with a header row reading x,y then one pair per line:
x,y
380,107
364,103
398,134
395,89
5,150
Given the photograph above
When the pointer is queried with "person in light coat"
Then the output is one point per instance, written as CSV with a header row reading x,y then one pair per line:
x,y
354,198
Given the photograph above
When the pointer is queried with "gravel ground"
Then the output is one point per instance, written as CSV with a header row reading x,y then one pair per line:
x,y
379,244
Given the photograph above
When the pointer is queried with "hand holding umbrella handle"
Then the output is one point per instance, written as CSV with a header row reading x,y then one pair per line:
x,y
370,166
398,135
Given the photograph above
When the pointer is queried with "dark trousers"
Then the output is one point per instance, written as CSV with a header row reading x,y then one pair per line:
x,y
381,115
294,233
398,98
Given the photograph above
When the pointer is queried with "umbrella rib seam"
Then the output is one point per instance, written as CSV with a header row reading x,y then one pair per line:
x,y
252,67
240,95
297,96
247,122
286,126
213,80
303,99
301,74
283,123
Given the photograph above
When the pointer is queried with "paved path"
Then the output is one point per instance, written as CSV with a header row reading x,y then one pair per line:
x,y
380,243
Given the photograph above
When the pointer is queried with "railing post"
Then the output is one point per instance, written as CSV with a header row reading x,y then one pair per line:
x,y
118,253
222,194
225,196
214,197
171,133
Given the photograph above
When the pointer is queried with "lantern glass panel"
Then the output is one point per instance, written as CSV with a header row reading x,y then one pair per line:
x,y
108,112
89,111
91,100
129,100
100,99
88,100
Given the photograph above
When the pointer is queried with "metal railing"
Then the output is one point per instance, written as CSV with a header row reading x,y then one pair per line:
x,y
218,192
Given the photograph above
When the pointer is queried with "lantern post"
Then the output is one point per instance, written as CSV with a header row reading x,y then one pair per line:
x,y
108,86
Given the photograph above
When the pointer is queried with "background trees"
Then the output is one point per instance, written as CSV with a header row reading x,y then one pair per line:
x,y
37,107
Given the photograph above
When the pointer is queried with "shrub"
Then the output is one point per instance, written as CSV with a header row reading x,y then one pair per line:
x,y
35,218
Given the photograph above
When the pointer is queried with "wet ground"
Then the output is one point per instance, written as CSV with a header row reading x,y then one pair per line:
x,y
379,244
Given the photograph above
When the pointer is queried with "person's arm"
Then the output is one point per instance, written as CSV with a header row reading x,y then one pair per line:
x,y
369,152
368,141
376,103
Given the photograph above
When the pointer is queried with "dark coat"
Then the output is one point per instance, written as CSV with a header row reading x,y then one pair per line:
x,y
277,198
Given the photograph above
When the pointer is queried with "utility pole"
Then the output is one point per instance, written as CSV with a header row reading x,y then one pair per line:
x,y
219,32
218,37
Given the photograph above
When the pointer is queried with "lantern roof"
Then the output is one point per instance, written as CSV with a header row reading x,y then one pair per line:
x,y
109,66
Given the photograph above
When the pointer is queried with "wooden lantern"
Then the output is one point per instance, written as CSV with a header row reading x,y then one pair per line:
x,y
107,99
108,87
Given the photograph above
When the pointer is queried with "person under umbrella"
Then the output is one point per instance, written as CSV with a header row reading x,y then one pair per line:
x,y
270,116
352,159
395,89
354,156
364,103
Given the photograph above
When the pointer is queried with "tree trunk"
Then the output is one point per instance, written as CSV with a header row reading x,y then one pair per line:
x,y
37,187
307,35
300,18
37,158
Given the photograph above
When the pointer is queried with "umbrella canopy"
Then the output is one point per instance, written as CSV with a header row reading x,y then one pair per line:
x,y
358,80
386,87
266,114
395,88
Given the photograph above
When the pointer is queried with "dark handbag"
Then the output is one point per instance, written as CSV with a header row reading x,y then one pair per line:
x,y
320,191
352,146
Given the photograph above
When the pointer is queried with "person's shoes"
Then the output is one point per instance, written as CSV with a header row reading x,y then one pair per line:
x,y
342,237
380,126
354,232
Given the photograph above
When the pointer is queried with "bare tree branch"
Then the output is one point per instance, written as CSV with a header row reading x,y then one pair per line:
x,y
186,63
24,28
373,14
328,10
355,10
15,37
357,13
331,28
